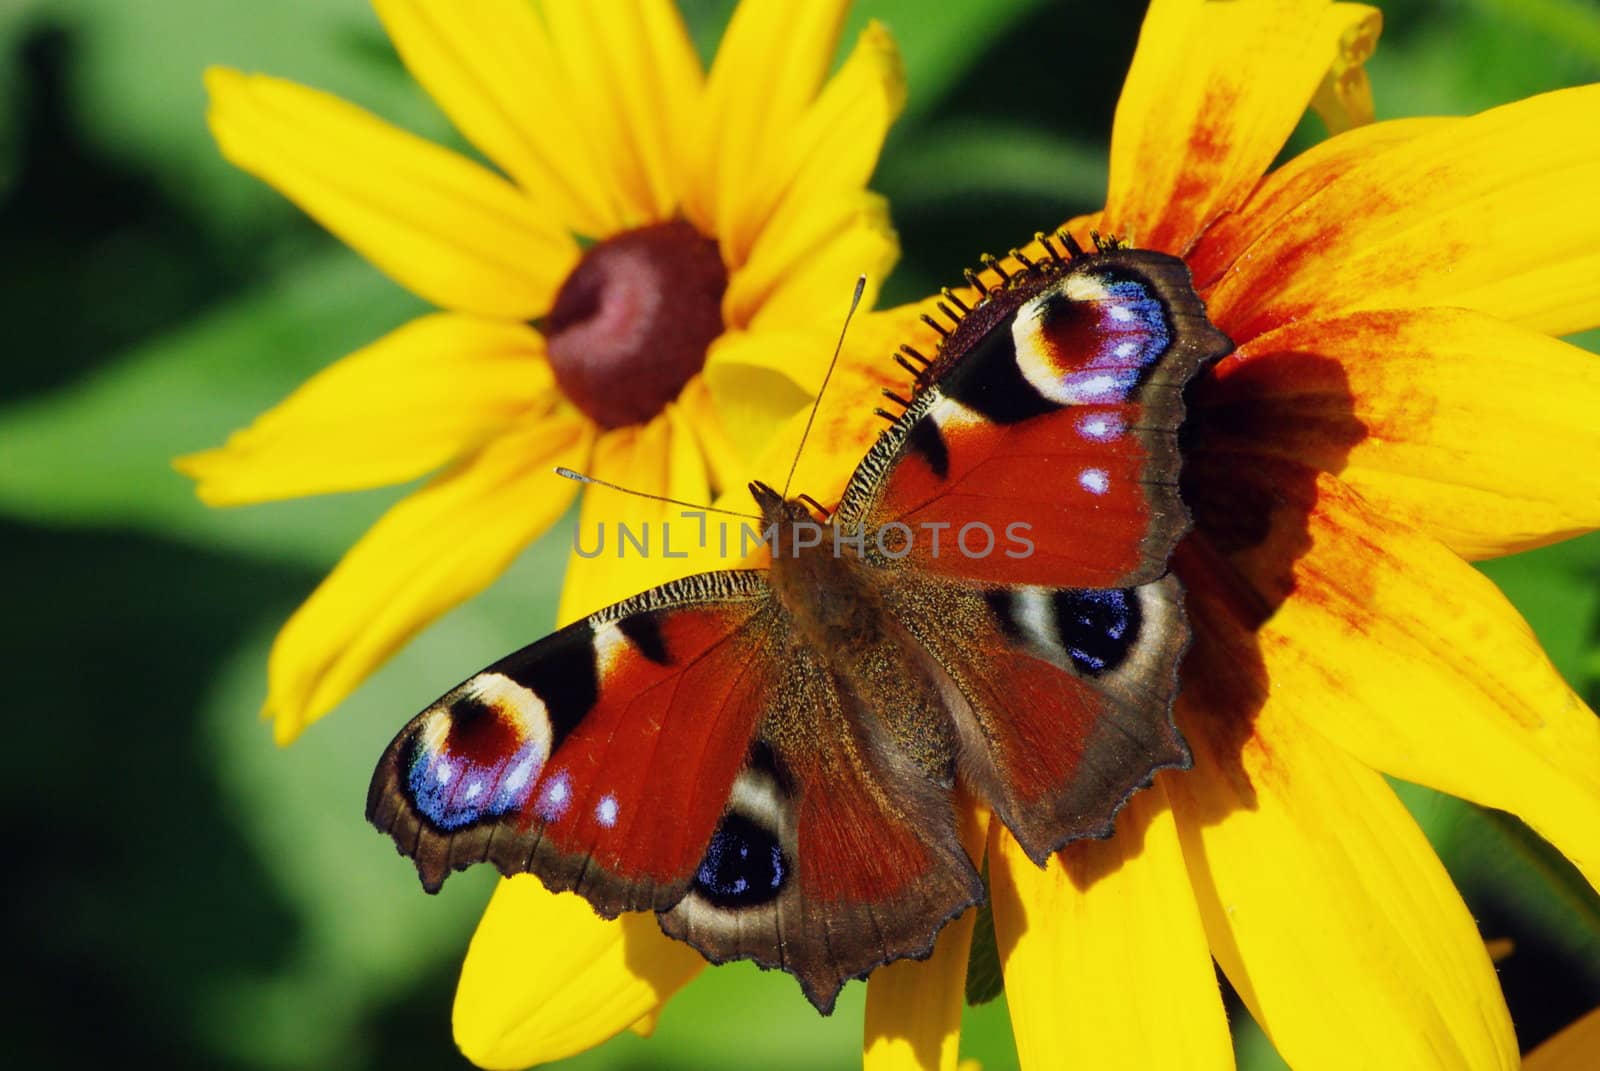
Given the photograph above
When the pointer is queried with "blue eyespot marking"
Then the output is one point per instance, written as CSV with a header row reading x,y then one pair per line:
x,y
743,866
452,791
1098,629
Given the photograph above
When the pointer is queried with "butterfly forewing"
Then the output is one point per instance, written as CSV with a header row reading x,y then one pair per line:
x,y
600,758
1055,424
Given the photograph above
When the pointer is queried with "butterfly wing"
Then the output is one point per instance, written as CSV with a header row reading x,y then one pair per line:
x,y
1065,695
600,758
1060,414
837,853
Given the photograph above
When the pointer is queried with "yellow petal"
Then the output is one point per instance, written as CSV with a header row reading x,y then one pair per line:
x,y
913,1016
545,977
830,152
437,223
1493,213
1398,651
491,67
1477,432
794,272
397,409
845,426
634,81
1577,1048
659,458
774,54
758,380
1321,899
1214,91
1344,99
725,461
436,548
1104,954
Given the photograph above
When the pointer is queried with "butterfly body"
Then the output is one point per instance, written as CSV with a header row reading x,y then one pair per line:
x,y
769,758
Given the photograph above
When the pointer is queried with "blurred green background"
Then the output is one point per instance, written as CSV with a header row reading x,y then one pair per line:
x,y
185,891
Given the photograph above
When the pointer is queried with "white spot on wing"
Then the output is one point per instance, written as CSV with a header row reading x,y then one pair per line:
x,y
1095,481
1100,427
605,812
555,798
1122,313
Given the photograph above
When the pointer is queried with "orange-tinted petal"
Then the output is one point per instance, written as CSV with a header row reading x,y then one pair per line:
x,y
392,411
437,223
1577,1048
491,67
1395,649
773,57
436,548
1321,899
1214,91
634,80
1104,953
545,977
913,1016
1283,191
1478,432
1486,213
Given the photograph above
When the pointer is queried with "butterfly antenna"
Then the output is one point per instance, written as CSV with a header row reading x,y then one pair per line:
x,y
855,299
581,478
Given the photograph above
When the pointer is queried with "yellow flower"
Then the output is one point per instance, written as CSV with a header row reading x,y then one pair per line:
x,y
1394,408
655,287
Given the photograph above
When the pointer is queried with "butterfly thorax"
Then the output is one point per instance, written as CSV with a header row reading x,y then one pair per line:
x,y
839,624
831,595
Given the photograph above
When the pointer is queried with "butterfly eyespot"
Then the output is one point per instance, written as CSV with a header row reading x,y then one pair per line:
x,y
1099,629
743,866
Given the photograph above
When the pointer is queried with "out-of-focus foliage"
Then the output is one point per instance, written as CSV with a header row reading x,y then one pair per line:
x,y
182,890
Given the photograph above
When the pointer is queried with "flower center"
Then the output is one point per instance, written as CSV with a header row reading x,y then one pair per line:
x,y
632,322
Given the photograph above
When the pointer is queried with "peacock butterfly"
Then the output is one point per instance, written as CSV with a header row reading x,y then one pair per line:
x,y
767,758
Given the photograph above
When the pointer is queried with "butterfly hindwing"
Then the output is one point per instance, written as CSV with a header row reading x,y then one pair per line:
x,y
1066,695
838,852
1058,414
601,757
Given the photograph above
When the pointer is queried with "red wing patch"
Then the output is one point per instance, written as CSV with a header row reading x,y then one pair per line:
x,y
1044,448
